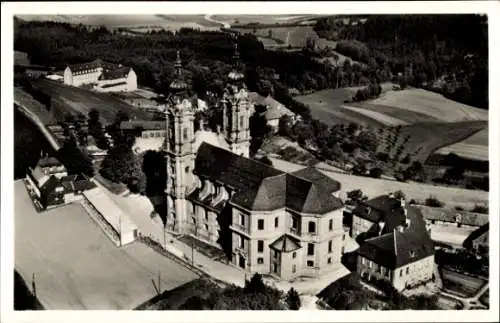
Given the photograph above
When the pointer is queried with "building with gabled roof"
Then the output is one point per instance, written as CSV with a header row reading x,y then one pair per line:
x,y
267,221
402,256
274,109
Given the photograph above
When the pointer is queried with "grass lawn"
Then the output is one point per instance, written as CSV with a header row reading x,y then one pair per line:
x,y
77,100
76,266
460,284
448,303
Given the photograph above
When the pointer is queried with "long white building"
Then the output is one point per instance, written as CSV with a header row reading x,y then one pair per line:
x,y
105,77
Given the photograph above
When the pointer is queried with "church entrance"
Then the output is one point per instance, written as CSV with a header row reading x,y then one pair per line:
x,y
242,262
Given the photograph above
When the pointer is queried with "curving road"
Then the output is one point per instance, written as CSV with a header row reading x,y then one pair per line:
x,y
223,23
30,115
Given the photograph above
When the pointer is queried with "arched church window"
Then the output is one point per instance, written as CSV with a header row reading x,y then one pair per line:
x,y
185,133
187,169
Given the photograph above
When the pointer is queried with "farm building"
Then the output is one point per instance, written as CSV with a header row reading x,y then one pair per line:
x,y
274,109
404,256
114,222
435,215
106,77
50,166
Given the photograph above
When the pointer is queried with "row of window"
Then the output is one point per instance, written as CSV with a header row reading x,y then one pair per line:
x,y
295,224
310,247
383,271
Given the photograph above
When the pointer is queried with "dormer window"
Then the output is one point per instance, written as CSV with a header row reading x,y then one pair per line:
x,y
412,253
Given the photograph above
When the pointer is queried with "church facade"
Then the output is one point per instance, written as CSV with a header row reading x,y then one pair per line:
x,y
267,221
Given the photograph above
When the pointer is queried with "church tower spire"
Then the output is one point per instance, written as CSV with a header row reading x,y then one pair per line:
x,y
236,109
179,150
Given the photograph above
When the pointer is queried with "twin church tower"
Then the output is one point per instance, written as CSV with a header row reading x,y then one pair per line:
x,y
180,146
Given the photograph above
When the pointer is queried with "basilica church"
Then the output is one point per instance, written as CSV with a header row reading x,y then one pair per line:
x,y
267,221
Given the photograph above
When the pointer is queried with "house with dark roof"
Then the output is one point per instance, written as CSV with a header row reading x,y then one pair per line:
x,y
105,76
49,190
402,256
479,239
378,215
274,110
285,224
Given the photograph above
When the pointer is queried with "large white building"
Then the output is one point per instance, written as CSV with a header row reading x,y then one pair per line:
x,y
267,221
105,77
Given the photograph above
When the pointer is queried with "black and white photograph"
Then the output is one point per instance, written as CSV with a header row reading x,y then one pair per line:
x,y
321,161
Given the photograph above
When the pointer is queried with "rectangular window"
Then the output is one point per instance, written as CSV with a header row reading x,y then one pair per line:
x,y
276,254
242,120
242,219
260,260
185,133
330,224
206,215
310,249
294,255
312,227
260,224
400,272
310,263
260,246
329,260
294,268
343,250
242,242
330,244
276,222
295,223
407,270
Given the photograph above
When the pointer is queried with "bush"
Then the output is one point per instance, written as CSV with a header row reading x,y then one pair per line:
x,y
480,209
459,208
433,202
293,299
399,195
382,156
376,172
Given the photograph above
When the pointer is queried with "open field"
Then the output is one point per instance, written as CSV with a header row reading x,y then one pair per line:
x,y
77,267
431,104
448,303
168,22
294,36
474,147
373,187
460,284
82,101
427,137
262,19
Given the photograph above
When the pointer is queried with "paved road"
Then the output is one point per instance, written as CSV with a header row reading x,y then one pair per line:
x,y
225,24
26,111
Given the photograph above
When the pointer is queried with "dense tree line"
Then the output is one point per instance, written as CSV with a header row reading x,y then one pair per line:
x,y
447,53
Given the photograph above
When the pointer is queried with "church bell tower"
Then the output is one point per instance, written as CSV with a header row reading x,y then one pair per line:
x,y
236,109
179,151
